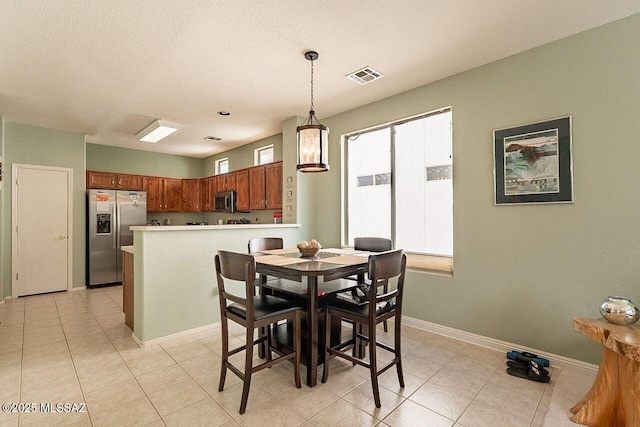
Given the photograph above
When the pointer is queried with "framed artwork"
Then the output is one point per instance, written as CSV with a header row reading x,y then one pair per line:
x,y
532,163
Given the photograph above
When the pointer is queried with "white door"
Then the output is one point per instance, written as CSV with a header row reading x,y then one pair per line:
x,y
41,229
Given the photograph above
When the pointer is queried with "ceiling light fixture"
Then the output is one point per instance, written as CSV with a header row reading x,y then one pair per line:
x,y
313,138
156,131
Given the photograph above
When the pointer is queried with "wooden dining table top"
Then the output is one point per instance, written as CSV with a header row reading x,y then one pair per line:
x,y
325,261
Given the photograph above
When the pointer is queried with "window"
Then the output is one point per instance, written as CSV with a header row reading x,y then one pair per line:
x,y
222,166
263,155
399,184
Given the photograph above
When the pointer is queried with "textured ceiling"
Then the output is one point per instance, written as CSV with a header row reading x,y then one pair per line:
x,y
108,68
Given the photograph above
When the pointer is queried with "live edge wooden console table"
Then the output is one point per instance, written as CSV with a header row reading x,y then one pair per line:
x,y
614,398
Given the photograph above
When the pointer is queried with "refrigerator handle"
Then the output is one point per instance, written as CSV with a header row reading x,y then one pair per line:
x,y
116,223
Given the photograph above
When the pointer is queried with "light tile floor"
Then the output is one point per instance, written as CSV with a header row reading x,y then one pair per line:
x,y
73,347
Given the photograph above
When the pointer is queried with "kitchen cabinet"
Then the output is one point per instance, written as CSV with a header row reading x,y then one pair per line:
x,y
242,190
190,195
257,182
273,186
265,186
127,288
104,180
113,181
129,182
155,193
226,182
208,188
163,194
172,194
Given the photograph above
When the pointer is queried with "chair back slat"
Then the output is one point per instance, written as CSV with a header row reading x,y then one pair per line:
x,y
372,244
265,243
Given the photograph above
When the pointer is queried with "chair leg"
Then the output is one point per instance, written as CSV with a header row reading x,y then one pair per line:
x,y
225,353
269,344
327,344
297,343
356,342
248,364
385,289
373,366
398,350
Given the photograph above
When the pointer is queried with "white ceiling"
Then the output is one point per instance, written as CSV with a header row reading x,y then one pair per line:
x,y
108,68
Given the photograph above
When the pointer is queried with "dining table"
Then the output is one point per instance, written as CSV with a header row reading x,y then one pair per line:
x,y
312,279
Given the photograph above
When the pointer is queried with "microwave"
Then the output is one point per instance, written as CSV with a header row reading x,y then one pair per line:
x,y
225,201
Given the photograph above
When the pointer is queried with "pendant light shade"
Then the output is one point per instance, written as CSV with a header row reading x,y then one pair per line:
x,y
313,137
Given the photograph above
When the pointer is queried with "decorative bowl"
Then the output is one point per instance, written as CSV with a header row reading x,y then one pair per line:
x,y
620,311
309,252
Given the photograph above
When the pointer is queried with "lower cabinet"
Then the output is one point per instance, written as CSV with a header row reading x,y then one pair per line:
x,y
127,288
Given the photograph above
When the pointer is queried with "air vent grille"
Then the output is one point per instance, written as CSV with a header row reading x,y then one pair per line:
x,y
213,138
365,75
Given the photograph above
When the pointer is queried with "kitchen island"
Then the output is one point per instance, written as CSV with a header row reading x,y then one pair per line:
x,y
175,287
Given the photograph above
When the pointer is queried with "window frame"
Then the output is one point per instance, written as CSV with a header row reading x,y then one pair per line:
x,y
218,164
440,264
258,151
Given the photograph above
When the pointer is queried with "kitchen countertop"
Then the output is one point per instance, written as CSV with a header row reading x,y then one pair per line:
x,y
208,227
128,249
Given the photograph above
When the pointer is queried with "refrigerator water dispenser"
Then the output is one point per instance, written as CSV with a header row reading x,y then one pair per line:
x,y
103,224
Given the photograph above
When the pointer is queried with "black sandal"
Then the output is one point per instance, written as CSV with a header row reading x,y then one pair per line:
x,y
531,371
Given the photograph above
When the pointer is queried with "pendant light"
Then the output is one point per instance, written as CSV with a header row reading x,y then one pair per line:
x,y
313,138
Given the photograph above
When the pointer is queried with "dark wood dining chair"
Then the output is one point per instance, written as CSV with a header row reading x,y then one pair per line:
x,y
259,244
374,244
252,312
382,267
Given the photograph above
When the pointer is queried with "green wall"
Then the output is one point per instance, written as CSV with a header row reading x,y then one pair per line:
x,y
40,146
521,273
242,157
124,160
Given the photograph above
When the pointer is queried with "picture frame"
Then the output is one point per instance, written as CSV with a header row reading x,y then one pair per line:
x,y
533,163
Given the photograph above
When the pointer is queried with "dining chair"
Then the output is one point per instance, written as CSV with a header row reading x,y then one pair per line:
x,y
252,312
373,244
382,267
259,244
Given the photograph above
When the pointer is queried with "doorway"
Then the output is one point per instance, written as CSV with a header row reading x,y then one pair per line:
x,y
41,229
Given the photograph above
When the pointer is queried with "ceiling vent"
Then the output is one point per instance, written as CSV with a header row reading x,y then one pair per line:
x,y
365,75
213,138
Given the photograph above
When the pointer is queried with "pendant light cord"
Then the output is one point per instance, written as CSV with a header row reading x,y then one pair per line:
x,y
311,86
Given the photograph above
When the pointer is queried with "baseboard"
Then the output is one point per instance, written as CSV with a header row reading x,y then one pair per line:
x,y
210,327
79,288
555,360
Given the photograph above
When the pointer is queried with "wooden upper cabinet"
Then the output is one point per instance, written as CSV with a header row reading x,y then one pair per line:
x,y
106,180
257,192
273,186
172,194
242,190
208,187
265,184
226,182
155,192
114,181
129,182
191,195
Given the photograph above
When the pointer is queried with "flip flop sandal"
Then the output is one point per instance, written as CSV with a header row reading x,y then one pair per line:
x,y
524,367
533,373
524,356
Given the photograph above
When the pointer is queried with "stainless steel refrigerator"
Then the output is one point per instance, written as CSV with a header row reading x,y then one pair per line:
x,y
110,213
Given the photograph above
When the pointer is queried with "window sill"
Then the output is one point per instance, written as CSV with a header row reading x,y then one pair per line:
x,y
430,264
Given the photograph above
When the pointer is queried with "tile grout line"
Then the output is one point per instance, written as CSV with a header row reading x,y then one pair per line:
x,y
119,355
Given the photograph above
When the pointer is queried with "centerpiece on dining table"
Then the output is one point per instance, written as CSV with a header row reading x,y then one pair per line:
x,y
309,249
